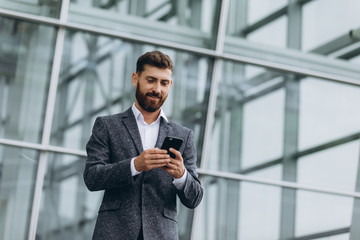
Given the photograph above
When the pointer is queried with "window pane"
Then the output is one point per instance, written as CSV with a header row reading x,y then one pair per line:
x,y
318,212
342,16
273,34
26,55
250,205
328,111
335,167
235,210
36,7
345,236
188,22
243,14
68,210
263,129
96,80
259,9
17,180
248,127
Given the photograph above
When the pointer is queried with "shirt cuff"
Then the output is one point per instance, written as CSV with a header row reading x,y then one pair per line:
x,y
134,172
180,182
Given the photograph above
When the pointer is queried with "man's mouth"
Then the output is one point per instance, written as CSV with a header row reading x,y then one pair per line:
x,y
153,97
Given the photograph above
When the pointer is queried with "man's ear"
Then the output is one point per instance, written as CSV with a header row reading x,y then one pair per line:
x,y
134,79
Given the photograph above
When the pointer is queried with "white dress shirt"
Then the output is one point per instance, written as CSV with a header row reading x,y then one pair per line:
x,y
149,134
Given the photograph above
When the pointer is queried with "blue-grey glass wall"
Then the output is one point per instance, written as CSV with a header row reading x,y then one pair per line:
x,y
270,88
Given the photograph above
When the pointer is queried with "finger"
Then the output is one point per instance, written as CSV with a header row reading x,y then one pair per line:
x,y
158,156
171,165
160,162
155,150
177,153
155,154
162,165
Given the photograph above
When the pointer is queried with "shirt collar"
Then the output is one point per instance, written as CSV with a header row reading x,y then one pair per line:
x,y
137,113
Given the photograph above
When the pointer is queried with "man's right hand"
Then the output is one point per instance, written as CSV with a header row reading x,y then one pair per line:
x,y
151,158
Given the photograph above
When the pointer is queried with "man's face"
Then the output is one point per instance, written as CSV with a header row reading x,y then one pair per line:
x,y
152,87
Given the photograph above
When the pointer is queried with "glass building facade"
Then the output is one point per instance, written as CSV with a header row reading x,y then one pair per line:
x,y
270,88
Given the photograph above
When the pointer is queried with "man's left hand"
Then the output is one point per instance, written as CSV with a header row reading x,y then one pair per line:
x,y
176,166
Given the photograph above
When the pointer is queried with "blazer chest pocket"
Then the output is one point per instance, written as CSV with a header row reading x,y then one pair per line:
x,y
171,214
108,206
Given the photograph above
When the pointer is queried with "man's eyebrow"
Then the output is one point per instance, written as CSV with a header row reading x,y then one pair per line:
x,y
155,78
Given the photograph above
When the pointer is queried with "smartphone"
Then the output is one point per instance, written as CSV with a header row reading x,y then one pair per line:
x,y
171,142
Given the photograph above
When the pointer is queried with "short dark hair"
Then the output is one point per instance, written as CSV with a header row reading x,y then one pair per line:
x,y
156,59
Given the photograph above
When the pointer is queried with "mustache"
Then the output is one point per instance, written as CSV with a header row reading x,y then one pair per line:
x,y
154,94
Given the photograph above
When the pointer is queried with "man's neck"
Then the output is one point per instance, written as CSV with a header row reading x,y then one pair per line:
x,y
149,117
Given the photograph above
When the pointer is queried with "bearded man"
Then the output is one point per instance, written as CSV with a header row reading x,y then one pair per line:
x,y
141,181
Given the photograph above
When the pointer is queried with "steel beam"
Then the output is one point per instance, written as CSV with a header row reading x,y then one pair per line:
x,y
355,221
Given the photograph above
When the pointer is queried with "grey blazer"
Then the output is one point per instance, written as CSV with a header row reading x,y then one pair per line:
x,y
146,201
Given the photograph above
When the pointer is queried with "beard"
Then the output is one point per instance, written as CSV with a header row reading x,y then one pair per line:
x,y
148,104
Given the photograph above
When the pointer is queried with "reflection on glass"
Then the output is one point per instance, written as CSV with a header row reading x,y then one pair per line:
x,y
328,111
43,8
188,22
243,14
317,212
335,167
26,53
248,127
263,129
255,211
316,30
235,210
259,9
68,210
96,80
275,29
17,179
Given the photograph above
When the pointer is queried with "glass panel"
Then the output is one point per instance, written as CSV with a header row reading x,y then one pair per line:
x,y
272,34
185,221
243,14
263,129
259,9
17,180
255,212
188,22
235,210
248,127
26,54
328,111
356,59
44,8
341,16
345,236
335,167
68,210
96,80
318,212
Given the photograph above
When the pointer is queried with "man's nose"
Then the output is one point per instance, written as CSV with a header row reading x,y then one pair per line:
x,y
156,87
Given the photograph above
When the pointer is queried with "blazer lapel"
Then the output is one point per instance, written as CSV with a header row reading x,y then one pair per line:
x,y
163,132
131,125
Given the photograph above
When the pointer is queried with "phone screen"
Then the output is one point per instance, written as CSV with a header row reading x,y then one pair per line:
x,y
171,142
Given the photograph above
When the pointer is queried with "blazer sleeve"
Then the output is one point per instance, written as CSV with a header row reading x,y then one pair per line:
x,y
192,192
100,172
